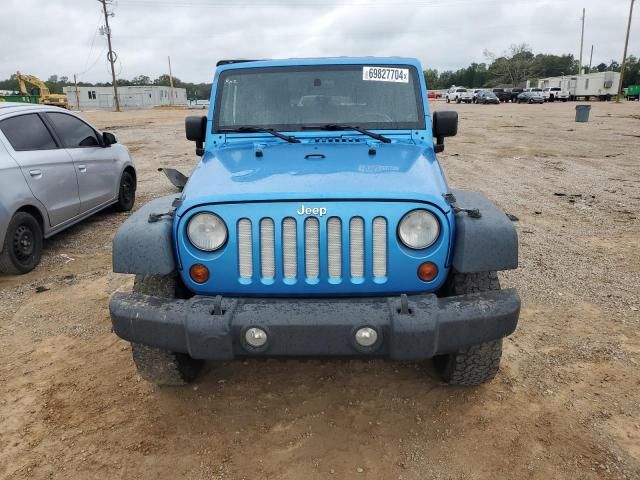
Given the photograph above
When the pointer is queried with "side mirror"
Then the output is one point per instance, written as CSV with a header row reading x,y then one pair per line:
x,y
445,124
109,139
196,128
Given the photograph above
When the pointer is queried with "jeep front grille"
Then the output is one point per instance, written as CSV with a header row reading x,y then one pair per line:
x,y
321,238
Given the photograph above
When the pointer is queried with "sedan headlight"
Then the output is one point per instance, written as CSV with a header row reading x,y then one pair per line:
x,y
418,229
207,232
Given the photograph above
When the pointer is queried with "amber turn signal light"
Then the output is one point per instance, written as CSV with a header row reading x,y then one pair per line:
x,y
427,271
199,273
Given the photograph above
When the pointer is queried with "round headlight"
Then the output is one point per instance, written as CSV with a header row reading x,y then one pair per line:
x,y
418,229
207,232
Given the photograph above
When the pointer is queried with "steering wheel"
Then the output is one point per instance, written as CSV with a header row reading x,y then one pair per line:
x,y
374,117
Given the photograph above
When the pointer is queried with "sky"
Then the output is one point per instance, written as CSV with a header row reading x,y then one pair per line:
x,y
62,37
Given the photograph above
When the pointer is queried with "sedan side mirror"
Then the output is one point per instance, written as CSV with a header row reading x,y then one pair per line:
x,y
109,139
445,124
196,128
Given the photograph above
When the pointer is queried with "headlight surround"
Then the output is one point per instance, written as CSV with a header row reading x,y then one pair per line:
x,y
418,229
207,231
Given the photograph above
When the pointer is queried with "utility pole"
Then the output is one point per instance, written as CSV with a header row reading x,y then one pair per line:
x,y
624,56
170,82
590,59
111,56
75,81
581,42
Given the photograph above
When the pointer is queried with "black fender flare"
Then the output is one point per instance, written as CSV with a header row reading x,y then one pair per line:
x,y
143,244
484,244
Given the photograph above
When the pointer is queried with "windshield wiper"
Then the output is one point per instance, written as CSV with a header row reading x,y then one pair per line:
x,y
273,132
334,127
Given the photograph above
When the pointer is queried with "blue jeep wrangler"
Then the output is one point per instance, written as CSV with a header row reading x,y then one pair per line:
x,y
317,223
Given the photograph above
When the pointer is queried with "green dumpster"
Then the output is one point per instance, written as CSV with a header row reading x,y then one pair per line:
x,y
20,98
633,92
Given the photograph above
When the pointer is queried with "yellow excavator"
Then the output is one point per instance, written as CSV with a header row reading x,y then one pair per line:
x,y
46,97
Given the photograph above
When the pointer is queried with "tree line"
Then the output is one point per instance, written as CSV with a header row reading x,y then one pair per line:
x,y
55,84
513,67
519,64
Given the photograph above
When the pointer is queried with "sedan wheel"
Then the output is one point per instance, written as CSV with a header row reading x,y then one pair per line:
x,y
22,248
126,193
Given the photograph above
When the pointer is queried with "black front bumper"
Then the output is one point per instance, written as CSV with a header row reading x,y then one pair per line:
x,y
213,328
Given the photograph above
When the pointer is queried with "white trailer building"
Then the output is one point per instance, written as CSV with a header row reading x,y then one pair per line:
x,y
131,98
603,85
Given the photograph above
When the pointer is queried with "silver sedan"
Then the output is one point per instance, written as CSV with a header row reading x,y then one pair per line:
x,y
55,170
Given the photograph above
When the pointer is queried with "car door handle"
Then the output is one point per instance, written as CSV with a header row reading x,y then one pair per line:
x,y
35,173
82,168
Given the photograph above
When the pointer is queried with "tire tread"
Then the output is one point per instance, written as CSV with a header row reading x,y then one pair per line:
x,y
479,363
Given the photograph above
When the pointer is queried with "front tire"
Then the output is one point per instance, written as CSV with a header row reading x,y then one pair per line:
x,y
475,364
23,243
471,366
126,192
157,365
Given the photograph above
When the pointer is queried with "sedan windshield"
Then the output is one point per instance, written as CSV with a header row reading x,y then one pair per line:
x,y
299,98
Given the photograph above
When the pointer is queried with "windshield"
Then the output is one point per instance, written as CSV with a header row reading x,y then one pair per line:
x,y
300,97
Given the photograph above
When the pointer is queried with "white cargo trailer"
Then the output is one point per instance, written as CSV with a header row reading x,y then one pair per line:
x,y
602,85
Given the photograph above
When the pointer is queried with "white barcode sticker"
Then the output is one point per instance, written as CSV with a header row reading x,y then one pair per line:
x,y
385,74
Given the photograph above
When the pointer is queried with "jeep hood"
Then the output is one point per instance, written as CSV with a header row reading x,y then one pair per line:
x,y
248,171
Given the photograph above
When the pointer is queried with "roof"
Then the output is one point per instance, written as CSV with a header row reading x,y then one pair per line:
x,y
238,64
7,108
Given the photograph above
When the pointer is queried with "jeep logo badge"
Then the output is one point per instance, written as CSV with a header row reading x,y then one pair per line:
x,y
311,211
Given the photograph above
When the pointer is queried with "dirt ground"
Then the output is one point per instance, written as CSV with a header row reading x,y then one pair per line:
x,y
564,405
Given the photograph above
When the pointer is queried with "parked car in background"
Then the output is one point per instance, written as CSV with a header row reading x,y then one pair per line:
x,y
514,92
487,96
530,97
551,94
502,94
55,170
459,94
203,104
474,95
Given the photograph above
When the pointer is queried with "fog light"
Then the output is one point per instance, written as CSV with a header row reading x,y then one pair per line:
x,y
199,273
366,337
256,337
427,271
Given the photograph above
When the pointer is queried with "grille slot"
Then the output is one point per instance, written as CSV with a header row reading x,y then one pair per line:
x,y
312,247
334,247
245,259
379,247
289,248
356,247
267,249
